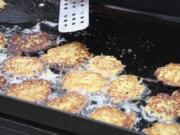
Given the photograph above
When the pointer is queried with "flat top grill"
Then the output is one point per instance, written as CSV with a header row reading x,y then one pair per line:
x,y
142,47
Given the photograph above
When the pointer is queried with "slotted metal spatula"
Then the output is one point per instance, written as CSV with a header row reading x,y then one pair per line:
x,y
74,15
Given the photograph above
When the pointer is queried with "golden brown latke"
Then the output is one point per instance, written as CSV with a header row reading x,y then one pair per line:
x,y
31,90
23,66
2,40
107,66
125,87
164,106
169,74
68,55
29,44
83,80
163,129
113,116
2,4
71,102
176,95
2,82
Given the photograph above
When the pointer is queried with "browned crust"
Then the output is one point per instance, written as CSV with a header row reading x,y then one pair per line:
x,y
163,129
125,87
71,102
23,66
83,80
168,74
67,56
164,106
2,40
106,65
176,96
113,116
30,90
2,82
31,43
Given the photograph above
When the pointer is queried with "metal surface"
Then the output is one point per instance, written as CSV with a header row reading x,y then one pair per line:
x,y
14,125
163,7
23,11
57,120
73,15
142,47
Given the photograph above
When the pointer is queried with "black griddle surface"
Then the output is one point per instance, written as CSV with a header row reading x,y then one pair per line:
x,y
27,11
141,46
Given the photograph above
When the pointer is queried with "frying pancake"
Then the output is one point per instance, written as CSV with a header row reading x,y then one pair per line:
x,y
2,82
2,40
169,74
163,129
2,4
107,66
68,55
113,116
83,80
31,43
23,66
125,87
31,90
164,106
176,95
71,102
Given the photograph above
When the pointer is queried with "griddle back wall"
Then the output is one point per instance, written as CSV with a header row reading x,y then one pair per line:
x,y
151,6
151,45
